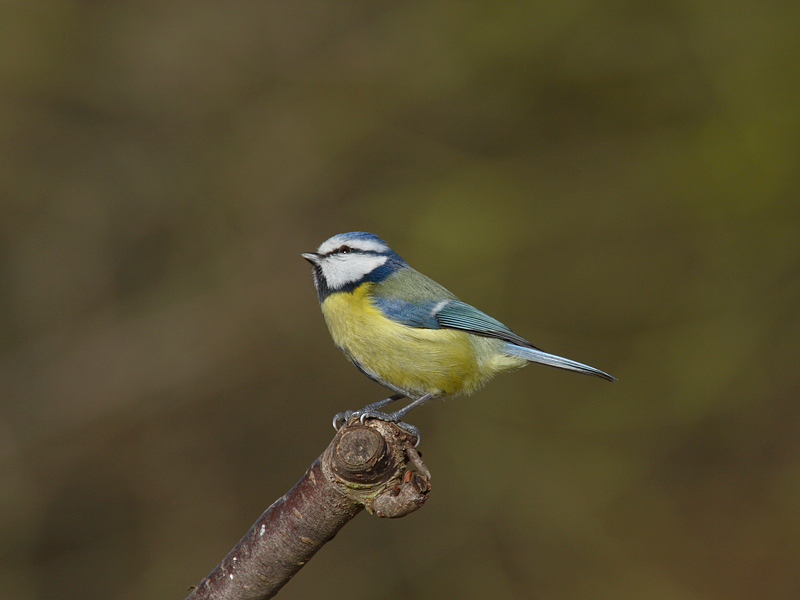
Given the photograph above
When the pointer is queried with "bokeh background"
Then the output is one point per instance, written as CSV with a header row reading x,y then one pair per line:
x,y
617,181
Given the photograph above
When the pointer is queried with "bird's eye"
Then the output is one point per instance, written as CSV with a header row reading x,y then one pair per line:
x,y
345,250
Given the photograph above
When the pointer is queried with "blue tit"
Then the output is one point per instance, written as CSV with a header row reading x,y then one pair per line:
x,y
407,332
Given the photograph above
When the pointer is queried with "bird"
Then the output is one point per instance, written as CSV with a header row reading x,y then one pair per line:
x,y
409,333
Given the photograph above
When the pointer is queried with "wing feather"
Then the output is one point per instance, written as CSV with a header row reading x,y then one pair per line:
x,y
447,314
460,315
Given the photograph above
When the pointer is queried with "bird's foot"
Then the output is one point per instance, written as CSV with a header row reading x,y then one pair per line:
x,y
393,417
341,418
370,413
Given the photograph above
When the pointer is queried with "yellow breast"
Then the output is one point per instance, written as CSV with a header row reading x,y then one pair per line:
x,y
411,360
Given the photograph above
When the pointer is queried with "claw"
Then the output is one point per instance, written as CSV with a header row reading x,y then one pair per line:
x,y
339,419
409,428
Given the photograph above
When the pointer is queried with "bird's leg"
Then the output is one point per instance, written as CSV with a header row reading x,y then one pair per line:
x,y
395,416
384,402
371,412
341,418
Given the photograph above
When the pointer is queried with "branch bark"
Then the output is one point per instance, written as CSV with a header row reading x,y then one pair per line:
x,y
373,466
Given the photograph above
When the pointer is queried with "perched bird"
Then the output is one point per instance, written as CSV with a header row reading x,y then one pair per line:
x,y
407,332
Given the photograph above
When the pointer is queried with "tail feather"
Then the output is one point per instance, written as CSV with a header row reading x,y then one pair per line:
x,y
551,360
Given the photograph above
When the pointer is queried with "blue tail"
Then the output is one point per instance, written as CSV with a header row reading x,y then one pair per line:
x,y
552,360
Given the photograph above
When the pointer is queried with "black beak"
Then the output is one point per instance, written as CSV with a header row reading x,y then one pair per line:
x,y
311,257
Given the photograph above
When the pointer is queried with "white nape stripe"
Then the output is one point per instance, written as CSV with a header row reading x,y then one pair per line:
x,y
340,270
356,244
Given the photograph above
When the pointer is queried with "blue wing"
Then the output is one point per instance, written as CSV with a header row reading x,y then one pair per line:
x,y
460,315
447,314
413,314
455,314
414,300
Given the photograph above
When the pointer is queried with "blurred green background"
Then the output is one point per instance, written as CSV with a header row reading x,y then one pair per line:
x,y
619,182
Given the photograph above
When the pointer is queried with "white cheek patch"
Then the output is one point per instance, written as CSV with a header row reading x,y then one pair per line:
x,y
340,270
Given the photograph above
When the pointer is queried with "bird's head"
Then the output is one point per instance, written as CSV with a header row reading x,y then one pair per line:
x,y
347,260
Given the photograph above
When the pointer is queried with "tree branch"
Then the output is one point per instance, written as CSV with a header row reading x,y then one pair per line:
x,y
372,466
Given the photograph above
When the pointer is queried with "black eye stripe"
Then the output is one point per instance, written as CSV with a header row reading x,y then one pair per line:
x,y
340,250
349,250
